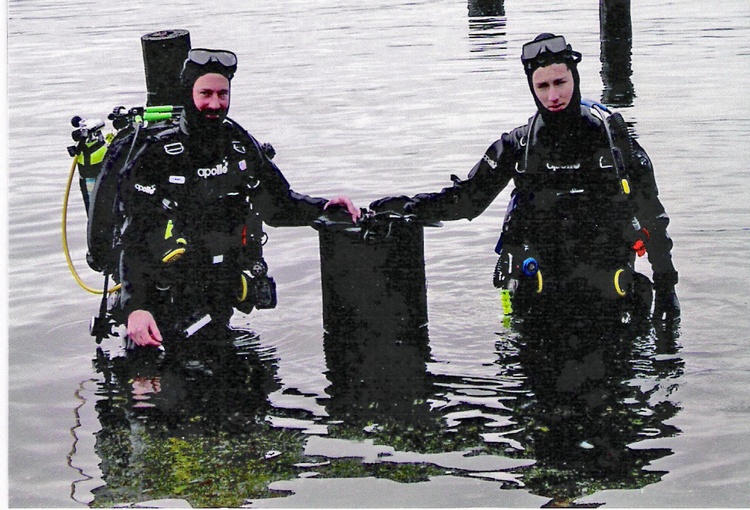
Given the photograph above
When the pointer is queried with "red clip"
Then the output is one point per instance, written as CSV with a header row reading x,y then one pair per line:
x,y
639,247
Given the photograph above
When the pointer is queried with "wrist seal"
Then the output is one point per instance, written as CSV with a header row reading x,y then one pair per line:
x,y
669,279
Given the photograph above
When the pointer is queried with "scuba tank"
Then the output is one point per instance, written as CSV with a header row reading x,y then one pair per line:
x,y
89,152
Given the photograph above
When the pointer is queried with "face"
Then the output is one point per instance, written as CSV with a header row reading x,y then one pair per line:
x,y
553,86
211,95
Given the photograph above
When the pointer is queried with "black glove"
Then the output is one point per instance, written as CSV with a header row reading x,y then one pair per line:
x,y
666,304
399,205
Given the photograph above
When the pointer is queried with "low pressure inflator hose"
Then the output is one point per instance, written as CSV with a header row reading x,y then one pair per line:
x,y
66,250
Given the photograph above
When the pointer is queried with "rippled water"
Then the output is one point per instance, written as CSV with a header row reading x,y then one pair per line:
x,y
369,100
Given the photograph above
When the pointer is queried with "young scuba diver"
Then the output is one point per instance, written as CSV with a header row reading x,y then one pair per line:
x,y
585,198
193,198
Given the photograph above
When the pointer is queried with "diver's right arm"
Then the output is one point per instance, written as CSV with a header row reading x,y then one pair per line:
x,y
466,198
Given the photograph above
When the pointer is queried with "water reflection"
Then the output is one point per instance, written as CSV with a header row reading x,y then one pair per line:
x,y
590,392
189,422
487,30
576,401
616,37
378,374
376,340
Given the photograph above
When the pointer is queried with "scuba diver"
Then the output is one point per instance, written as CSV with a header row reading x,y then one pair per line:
x,y
191,199
585,200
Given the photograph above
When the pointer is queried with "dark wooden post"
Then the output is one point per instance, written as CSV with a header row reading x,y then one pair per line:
x,y
479,8
616,36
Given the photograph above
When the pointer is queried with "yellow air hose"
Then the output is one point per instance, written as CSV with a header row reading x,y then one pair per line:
x,y
66,251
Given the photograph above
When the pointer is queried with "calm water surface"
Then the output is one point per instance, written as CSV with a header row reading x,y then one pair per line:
x,y
370,100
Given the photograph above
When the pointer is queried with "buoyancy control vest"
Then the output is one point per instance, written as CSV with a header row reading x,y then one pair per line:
x,y
571,210
202,214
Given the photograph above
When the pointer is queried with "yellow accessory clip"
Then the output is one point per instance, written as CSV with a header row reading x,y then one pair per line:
x,y
173,255
539,282
625,186
243,294
168,230
621,292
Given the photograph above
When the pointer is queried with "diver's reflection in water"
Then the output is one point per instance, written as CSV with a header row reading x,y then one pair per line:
x,y
178,421
204,385
592,391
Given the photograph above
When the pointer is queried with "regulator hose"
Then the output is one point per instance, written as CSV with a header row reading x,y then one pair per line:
x,y
66,250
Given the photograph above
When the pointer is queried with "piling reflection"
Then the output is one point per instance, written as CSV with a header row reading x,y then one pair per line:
x,y
378,374
616,35
487,30
190,423
591,392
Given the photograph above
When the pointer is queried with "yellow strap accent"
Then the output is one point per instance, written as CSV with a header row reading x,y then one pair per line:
x,y
626,186
618,289
540,283
168,230
243,294
95,157
173,255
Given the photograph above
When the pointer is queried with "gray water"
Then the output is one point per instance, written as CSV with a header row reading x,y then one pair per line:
x,y
376,98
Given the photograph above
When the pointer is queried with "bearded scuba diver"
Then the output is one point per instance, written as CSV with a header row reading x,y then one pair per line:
x,y
585,203
177,214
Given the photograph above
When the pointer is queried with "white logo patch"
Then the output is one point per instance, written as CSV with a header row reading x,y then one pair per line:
x,y
146,189
177,179
493,164
555,168
219,169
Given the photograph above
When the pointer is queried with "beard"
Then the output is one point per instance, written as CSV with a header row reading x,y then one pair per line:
x,y
208,122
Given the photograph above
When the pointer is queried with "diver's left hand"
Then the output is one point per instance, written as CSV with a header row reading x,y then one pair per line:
x,y
346,203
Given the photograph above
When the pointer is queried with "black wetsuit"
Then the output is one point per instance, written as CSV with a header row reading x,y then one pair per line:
x,y
568,205
208,199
